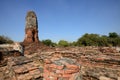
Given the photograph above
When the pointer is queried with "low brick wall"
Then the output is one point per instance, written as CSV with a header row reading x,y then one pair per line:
x,y
61,69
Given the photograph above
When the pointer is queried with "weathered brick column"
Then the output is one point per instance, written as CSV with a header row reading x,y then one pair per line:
x,y
31,28
61,69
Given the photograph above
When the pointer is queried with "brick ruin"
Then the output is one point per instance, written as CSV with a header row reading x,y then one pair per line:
x,y
69,63
73,64
61,69
6,50
31,28
31,41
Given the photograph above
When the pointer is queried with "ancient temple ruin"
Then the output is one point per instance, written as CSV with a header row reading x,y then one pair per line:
x,y
31,28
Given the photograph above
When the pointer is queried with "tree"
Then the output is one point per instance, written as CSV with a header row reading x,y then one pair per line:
x,y
74,43
117,41
5,39
114,39
88,40
113,35
103,41
48,42
63,43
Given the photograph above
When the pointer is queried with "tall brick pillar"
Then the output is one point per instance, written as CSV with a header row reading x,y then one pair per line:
x,y
31,28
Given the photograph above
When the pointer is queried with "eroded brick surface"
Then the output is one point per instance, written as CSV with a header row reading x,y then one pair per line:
x,y
60,64
61,69
22,68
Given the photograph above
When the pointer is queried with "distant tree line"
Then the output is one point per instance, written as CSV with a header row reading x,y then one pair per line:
x,y
113,39
5,40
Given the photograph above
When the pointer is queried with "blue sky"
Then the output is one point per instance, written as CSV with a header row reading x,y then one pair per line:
x,y
60,19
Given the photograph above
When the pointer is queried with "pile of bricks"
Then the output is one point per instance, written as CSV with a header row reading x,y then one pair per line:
x,y
61,69
22,68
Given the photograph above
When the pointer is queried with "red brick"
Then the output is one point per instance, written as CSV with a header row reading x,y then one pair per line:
x,y
60,67
56,66
53,77
52,74
60,71
37,71
66,75
32,68
53,66
71,66
59,75
46,66
71,71
45,76
46,71
47,61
